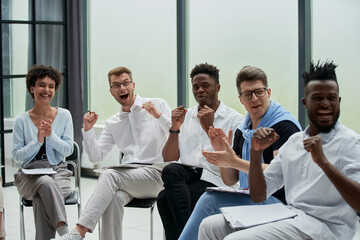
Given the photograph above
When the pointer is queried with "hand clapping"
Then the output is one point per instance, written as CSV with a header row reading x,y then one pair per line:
x,y
44,130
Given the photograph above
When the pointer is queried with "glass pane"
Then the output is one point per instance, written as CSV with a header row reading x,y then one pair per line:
x,y
15,48
50,46
49,10
14,104
15,9
141,37
336,36
11,166
15,93
231,34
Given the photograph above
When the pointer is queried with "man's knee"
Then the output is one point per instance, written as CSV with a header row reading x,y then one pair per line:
x,y
204,229
213,227
172,172
108,174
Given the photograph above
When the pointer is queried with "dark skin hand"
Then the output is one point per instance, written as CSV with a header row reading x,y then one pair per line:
x,y
206,117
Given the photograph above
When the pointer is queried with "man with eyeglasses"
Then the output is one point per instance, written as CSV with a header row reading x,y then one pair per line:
x,y
139,130
184,183
254,95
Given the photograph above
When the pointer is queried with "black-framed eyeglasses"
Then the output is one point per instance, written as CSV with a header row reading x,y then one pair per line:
x,y
118,85
259,92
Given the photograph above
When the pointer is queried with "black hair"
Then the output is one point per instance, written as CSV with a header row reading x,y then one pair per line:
x,y
206,68
320,71
39,72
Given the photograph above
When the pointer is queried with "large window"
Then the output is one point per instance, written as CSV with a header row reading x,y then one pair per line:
x,y
336,36
231,34
140,35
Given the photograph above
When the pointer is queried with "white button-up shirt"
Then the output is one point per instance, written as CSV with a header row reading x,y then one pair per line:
x,y
322,211
138,135
193,138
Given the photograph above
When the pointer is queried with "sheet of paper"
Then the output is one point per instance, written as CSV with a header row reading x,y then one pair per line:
x,y
126,165
38,171
248,216
228,189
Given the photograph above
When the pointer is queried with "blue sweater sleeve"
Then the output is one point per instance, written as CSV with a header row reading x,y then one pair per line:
x,y
58,145
25,141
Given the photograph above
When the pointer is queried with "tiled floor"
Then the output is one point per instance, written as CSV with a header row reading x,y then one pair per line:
x,y
136,221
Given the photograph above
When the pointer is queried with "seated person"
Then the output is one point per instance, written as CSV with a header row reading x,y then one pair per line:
x,y
188,135
139,130
319,168
43,138
254,95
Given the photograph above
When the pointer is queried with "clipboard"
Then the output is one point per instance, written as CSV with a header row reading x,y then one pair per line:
x,y
244,191
240,217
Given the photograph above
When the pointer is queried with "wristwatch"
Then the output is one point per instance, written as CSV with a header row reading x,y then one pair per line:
x,y
174,132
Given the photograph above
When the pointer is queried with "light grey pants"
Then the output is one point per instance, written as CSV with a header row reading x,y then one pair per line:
x,y
47,193
216,227
113,191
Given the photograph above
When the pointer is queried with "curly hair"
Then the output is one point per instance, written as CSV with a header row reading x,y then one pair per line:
x,y
251,73
37,72
206,68
118,71
320,71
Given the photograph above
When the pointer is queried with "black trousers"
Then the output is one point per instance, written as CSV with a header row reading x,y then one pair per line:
x,y
175,203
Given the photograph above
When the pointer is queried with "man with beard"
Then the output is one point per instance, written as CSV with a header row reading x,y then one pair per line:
x,y
184,183
319,168
140,131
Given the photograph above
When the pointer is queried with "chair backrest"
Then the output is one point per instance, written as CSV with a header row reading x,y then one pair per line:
x,y
75,154
74,160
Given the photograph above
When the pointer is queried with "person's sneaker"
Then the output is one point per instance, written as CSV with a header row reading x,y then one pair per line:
x,y
72,235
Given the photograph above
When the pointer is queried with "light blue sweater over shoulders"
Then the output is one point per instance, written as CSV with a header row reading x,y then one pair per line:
x,y
59,144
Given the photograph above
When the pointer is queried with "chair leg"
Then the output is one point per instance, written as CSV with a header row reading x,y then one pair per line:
x,y
22,224
151,223
79,208
99,228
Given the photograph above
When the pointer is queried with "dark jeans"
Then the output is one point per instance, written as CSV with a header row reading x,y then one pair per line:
x,y
175,203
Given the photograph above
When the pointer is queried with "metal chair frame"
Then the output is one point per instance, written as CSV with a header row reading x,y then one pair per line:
x,y
139,203
74,198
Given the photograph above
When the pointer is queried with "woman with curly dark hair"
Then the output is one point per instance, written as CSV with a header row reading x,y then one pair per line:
x,y
43,138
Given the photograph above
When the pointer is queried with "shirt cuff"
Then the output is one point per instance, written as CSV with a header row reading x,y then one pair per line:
x,y
164,121
89,134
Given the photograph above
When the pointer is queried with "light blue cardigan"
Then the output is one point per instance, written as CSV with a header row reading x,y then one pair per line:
x,y
58,145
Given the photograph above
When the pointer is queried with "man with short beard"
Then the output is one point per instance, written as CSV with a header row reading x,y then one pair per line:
x,y
319,168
